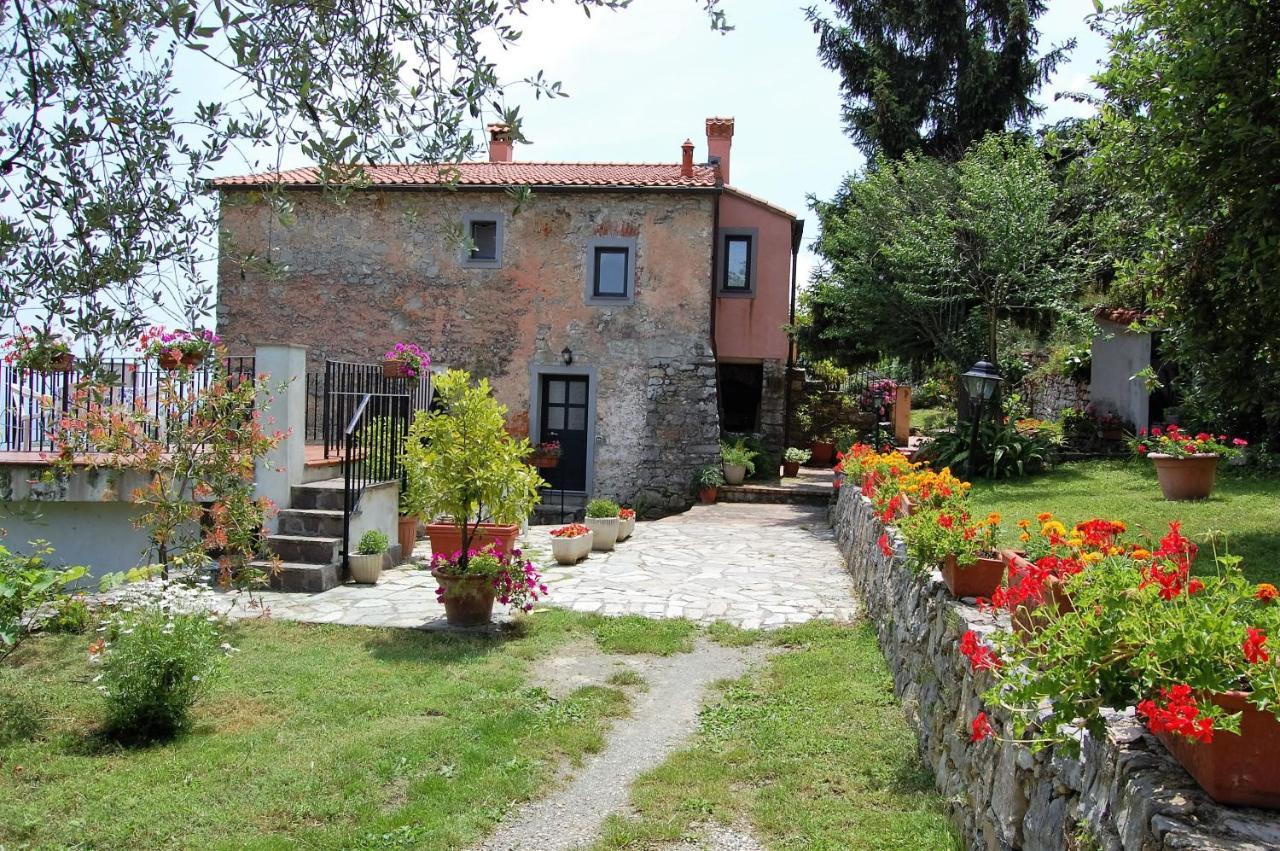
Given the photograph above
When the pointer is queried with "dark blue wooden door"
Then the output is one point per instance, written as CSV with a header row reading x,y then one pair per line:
x,y
564,419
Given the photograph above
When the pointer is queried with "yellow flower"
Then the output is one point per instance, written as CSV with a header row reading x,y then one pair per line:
x,y
1024,537
1140,554
1053,527
1075,541
1092,557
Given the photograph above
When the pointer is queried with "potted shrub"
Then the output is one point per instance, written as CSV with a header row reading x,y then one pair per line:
x,y
43,351
603,520
177,349
462,465
1186,465
628,524
365,564
1188,654
470,583
737,460
571,544
545,455
792,459
822,451
709,480
963,551
405,360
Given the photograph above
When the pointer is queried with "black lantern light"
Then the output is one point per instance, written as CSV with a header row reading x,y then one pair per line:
x,y
566,355
980,382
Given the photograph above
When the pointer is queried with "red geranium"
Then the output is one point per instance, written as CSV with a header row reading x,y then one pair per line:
x,y
1180,714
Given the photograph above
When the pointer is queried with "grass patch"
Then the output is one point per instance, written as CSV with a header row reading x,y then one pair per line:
x,y
635,634
1245,505
628,678
729,635
814,753
318,736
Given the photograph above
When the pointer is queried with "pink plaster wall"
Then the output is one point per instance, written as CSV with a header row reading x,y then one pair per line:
x,y
752,328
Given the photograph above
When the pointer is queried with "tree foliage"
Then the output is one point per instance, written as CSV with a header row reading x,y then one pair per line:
x,y
934,77
103,209
1191,128
927,260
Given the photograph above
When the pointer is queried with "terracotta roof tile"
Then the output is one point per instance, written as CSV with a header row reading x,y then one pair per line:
x,y
645,175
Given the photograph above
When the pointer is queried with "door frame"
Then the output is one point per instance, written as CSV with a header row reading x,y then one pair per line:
x,y
536,374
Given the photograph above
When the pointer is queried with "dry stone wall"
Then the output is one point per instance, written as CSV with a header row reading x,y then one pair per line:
x,y
1124,792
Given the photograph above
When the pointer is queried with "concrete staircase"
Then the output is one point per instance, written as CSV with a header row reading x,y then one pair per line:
x,y
548,511
309,540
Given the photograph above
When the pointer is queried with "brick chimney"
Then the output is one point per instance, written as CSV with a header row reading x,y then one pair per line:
x,y
500,147
719,140
686,159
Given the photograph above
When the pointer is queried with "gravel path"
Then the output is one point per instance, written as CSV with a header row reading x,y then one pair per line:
x,y
662,718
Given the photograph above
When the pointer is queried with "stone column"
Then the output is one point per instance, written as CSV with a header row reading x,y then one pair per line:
x,y
283,408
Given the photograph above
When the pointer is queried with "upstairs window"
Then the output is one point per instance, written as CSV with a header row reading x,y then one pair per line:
x,y
738,261
483,248
611,270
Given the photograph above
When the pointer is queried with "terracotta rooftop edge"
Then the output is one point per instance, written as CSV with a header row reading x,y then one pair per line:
x,y
496,174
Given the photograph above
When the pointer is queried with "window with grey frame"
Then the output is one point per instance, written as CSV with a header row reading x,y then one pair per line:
x,y
483,246
610,264
736,275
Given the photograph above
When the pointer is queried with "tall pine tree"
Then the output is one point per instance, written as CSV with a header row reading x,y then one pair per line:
x,y
934,76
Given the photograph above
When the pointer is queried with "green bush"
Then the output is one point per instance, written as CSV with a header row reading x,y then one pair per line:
x,y
157,664
372,543
602,508
22,709
737,452
1002,452
71,615
797,456
28,583
710,477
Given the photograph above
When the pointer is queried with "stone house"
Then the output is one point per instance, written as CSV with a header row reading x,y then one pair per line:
x,y
629,311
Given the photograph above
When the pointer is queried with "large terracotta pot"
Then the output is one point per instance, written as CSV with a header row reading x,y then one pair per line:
x,y
407,534
1185,478
468,600
980,579
446,538
821,452
544,462
734,473
1240,770
790,469
708,495
1029,621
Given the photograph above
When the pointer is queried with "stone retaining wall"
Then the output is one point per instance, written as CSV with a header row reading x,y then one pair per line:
x,y
1122,793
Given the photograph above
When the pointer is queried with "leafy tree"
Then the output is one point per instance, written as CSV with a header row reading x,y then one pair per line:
x,y
934,77
927,260
1190,120
103,208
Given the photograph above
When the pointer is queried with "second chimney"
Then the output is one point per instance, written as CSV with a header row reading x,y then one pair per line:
x,y
500,147
686,159
719,140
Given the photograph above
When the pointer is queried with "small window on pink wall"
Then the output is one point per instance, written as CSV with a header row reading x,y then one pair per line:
x,y
737,262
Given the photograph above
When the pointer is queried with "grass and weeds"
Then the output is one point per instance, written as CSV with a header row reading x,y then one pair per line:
x,y
728,635
813,753
1245,505
628,678
634,634
318,736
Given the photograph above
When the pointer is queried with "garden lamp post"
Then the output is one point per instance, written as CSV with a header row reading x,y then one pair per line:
x,y
980,383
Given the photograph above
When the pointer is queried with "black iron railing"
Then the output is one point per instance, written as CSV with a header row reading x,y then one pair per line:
x,y
372,440
35,401
340,390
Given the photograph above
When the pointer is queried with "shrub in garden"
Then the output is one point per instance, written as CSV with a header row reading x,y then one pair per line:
x,y
372,543
28,586
1001,451
794,455
1171,440
516,581
603,508
737,452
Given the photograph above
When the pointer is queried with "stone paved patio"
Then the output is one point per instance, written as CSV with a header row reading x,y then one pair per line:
x,y
753,565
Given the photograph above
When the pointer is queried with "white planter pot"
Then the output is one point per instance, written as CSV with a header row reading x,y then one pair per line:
x,y
365,569
626,527
734,473
571,550
605,531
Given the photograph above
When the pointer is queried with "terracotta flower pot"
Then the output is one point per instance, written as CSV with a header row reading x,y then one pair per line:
x,y
543,462
734,473
365,569
407,534
61,363
605,532
468,600
821,453
446,538
708,495
1185,478
980,579
790,469
571,550
394,369
1240,770
169,362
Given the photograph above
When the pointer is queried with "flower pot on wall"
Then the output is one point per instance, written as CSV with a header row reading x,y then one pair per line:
x,y
604,532
446,538
979,579
571,550
821,453
1239,770
407,534
393,369
734,473
365,569
1185,478
468,600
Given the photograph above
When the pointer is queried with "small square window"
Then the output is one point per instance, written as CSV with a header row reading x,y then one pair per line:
x,y
737,263
610,276
484,240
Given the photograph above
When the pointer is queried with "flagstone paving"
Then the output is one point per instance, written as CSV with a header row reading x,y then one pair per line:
x,y
752,565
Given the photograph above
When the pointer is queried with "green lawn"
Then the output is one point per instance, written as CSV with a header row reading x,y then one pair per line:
x,y
813,753
1245,505
339,737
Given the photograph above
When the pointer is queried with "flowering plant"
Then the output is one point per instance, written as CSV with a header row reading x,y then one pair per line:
x,y
413,360
178,344
627,513
516,582
573,530
878,395
933,534
1142,633
549,449
32,349
1173,441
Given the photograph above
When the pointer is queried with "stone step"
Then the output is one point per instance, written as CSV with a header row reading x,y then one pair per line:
x,y
318,522
778,494
307,549
302,577
549,511
325,495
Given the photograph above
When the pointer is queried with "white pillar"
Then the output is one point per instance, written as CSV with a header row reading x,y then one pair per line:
x,y
283,408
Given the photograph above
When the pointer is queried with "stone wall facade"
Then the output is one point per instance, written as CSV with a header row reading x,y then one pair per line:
x,y
1049,395
349,280
773,405
1124,792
